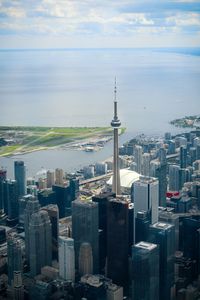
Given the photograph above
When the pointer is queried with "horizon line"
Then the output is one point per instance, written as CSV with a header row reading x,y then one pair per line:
x,y
97,48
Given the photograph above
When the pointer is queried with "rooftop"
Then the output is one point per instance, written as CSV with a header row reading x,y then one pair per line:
x,y
146,246
127,177
161,225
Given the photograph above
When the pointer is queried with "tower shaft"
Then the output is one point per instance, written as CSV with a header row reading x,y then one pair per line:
x,y
116,176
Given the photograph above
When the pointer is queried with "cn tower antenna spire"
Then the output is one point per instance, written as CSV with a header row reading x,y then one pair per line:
x,y
115,89
115,123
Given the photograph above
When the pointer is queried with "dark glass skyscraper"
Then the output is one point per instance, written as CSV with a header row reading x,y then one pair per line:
x,y
14,250
20,177
2,179
190,240
102,201
142,223
163,234
183,157
12,200
85,228
118,241
145,276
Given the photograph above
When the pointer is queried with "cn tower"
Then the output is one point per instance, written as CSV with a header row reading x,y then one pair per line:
x,y
115,123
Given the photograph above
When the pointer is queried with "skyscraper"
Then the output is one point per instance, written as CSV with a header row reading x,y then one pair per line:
x,y
163,234
102,200
14,250
115,123
12,200
174,177
53,213
40,242
183,157
118,241
20,177
22,206
32,206
85,259
2,179
59,174
146,158
145,196
85,228
50,178
145,266
160,171
18,288
138,158
66,258
142,224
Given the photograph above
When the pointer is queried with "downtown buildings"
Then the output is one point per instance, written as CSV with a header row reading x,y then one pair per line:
x,y
111,244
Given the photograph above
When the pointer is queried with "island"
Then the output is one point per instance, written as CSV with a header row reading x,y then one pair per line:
x,y
16,140
187,122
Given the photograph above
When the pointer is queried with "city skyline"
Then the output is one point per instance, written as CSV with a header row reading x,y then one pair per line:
x,y
94,24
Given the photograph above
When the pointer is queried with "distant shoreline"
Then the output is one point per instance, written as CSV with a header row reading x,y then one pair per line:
x,y
26,139
192,122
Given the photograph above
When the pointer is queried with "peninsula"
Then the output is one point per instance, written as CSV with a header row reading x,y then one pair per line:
x,y
187,122
19,139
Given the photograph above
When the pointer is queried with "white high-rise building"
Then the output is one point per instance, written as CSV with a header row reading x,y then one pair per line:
x,y
59,174
146,197
146,157
50,178
138,158
66,258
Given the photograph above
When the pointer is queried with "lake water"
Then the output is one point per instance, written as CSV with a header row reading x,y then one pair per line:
x,y
75,88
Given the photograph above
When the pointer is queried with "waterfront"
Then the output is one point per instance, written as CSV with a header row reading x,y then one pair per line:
x,y
75,88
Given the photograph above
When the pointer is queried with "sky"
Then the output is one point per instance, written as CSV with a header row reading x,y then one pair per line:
x,y
99,23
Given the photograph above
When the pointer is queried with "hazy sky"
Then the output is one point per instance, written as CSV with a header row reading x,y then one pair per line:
x,y
99,23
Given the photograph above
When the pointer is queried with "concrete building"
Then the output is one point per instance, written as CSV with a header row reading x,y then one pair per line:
x,y
66,258
18,288
50,178
146,158
85,259
114,292
53,213
59,174
40,242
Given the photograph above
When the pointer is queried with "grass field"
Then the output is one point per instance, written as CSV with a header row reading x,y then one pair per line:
x,y
27,139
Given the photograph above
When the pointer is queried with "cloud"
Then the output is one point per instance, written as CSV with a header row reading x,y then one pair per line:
x,y
13,12
190,19
72,18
